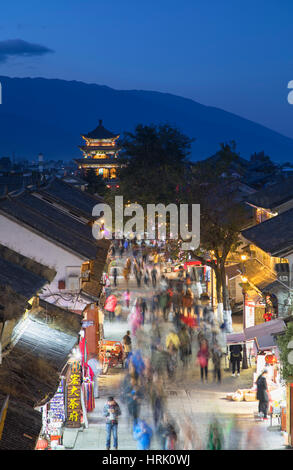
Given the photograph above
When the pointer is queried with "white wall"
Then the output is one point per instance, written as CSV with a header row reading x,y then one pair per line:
x,y
32,245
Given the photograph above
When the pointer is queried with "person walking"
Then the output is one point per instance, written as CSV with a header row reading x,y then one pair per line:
x,y
118,311
126,341
185,345
146,278
142,433
110,306
163,302
138,276
203,359
96,369
262,394
216,357
127,297
115,274
154,273
235,358
111,412
143,305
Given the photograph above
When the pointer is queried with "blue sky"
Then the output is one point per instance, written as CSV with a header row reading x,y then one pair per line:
x,y
236,55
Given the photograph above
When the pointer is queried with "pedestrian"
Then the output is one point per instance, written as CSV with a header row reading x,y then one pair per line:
x,y
163,302
96,369
146,278
111,412
135,317
142,433
126,341
110,306
215,438
203,359
126,273
138,276
107,284
172,342
187,302
185,345
216,357
235,358
154,273
115,274
262,394
143,305
121,251
134,399
127,297
118,311
157,398
166,433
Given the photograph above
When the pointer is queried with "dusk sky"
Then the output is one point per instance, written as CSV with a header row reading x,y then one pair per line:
x,y
237,56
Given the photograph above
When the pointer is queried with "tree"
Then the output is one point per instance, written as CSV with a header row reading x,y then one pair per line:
x,y
222,217
155,162
96,183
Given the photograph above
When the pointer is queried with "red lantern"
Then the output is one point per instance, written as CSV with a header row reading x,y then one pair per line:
x,y
42,444
270,359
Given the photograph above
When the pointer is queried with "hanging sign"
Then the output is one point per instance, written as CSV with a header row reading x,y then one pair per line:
x,y
249,307
73,395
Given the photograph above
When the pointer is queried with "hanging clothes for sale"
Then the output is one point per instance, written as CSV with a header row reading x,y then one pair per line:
x,y
88,391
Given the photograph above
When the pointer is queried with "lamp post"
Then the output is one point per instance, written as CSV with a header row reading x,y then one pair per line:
x,y
244,359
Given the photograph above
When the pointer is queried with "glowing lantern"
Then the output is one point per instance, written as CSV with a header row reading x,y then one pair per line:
x,y
271,359
42,444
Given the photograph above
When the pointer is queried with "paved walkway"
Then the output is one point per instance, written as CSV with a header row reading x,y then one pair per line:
x,y
187,397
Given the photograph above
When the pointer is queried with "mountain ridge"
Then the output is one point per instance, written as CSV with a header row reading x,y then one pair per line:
x,y
49,115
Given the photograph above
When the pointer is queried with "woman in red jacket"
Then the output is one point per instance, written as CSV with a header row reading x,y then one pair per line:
x,y
110,306
203,359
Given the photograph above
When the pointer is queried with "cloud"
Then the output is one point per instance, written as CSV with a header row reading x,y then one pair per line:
x,y
20,48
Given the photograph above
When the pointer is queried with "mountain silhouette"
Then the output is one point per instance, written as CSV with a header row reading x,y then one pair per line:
x,y
49,116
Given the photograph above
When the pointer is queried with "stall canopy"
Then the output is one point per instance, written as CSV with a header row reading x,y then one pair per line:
x,y
235,338
262,334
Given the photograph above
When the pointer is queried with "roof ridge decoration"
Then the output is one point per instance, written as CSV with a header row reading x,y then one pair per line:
x,y
100,133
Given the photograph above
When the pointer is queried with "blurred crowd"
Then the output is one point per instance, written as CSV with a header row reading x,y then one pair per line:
x,y
183,333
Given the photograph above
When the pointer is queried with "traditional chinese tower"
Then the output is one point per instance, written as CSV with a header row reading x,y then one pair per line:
x,y
100,153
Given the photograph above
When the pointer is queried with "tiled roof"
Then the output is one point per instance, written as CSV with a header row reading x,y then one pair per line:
x,y
273,196
52,223
21,280
42,343
274,236
69,196
100,133
22,426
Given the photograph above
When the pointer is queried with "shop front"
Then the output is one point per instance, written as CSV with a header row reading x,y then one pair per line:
x,y
74,399
262,352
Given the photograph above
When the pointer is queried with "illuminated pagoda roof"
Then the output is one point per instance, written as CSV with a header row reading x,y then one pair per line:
x,y
97,148
100,133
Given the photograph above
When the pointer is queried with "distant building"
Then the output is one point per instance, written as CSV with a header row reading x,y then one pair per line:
x,y
100,153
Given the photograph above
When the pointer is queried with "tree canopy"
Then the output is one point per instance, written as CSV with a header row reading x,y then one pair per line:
x,y
155,159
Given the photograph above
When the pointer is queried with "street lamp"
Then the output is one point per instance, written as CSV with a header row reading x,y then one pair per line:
x,y
244,359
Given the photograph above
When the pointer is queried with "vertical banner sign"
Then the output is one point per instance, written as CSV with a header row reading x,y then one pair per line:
x,y
249,313
73,396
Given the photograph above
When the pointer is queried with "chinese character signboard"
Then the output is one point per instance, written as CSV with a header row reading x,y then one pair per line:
x,y
249,313
73,395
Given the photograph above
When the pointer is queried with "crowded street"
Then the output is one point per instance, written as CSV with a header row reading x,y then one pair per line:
x,y
178,406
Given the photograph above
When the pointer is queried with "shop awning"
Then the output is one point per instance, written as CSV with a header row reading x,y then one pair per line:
x,y
263,343
265,329
262,334
235,338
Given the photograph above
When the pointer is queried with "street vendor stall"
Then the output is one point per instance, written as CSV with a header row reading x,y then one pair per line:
x,y
263,353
